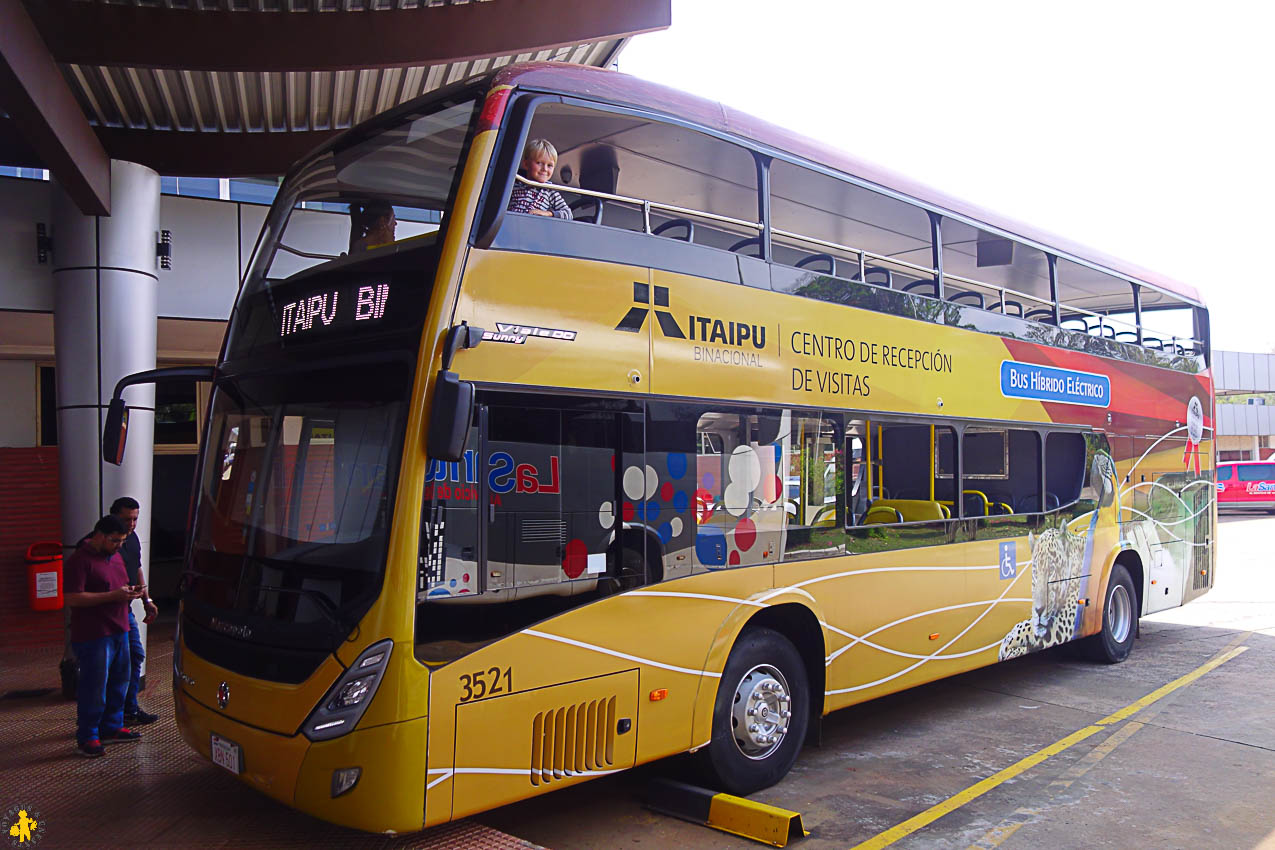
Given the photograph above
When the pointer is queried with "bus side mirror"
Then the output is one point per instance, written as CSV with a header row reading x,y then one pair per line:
x,y
449,416
453,406
115,434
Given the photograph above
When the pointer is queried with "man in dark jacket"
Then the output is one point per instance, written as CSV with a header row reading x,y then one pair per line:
x,y
126,509
98,594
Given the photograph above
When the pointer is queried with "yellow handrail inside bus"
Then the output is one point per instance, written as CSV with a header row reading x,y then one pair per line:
x,y
867,453
932,470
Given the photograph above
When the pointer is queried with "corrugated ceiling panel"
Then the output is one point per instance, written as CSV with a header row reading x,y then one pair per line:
x,y
249,102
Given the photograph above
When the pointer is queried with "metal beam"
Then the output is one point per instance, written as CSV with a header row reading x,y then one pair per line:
x,y
162,36
41,105
211,154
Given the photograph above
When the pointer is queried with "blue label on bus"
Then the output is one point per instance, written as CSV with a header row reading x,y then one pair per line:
x,y
1046,383
1009,559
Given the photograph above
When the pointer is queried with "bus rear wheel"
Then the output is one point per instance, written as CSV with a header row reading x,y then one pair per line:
x,y
760,716
1119,620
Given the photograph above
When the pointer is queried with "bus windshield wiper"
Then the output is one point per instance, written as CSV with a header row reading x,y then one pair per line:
x,y
324,605
184,585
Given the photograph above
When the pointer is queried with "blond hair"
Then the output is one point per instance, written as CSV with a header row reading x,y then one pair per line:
x,y
536,146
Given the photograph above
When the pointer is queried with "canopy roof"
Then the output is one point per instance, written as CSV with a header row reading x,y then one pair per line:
x,y
241,87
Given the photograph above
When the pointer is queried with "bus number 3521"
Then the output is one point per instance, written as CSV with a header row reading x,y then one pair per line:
x,y
485,684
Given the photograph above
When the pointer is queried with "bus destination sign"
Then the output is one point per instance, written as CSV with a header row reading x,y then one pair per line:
x,y
334,308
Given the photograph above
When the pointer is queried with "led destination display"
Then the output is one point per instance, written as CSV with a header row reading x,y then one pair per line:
x,y
326,309
322,309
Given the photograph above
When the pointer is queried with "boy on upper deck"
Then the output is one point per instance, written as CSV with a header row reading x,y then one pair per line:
x,y
539,158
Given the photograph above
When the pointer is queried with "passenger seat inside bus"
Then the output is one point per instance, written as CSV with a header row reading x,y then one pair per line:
x,y
908,510
599,172
884,276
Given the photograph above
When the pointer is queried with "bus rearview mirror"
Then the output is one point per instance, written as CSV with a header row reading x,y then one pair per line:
x,y
115,434
449,416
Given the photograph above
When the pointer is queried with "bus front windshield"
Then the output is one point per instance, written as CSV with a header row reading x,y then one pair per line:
x,y
295,501
387,186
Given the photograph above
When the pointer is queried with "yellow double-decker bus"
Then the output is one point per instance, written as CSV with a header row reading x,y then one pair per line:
x,y
491,503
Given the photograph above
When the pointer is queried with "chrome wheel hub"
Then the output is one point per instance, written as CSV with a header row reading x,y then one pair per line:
x,y
1120,614
762,711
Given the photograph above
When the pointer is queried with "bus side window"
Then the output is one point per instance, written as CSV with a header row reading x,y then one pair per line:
x,y
1001,471
623,160
739,496
827,222
1064,469
814,481
907,478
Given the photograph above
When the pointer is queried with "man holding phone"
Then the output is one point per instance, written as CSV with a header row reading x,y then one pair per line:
x,y
126,510
99,594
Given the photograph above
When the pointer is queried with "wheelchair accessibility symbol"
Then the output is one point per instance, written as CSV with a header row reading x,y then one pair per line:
x,y
1009,559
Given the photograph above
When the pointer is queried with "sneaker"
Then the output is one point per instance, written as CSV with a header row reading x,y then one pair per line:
x,y
122,734
140,718
91,749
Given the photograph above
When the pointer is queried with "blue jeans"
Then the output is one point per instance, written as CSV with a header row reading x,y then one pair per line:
x,y
104,671
136,655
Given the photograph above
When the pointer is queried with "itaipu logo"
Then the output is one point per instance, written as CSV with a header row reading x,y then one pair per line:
x,y
705,329
23,826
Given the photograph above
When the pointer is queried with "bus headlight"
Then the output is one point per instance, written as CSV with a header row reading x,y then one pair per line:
x,y
353,693
345,701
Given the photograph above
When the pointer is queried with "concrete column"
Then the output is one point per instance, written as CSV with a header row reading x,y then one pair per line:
x,y
104,311
1257,449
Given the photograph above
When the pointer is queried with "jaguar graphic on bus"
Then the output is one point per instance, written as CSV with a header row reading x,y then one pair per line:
x,y
498,503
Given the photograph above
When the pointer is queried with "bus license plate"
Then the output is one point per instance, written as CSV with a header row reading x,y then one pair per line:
x,y
227,754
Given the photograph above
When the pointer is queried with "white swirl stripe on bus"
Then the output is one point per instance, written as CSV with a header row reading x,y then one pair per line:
x,y
624,655
705,596
1175,539
991,603
1186,518
1175,494
937,652
857,641
854,639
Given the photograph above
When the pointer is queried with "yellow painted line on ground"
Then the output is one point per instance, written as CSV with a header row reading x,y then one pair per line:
x,y
1134,707
1025,814
998,834
1097,754
978,789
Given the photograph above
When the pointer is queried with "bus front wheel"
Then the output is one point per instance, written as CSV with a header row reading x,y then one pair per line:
x,y
1119,620
760,716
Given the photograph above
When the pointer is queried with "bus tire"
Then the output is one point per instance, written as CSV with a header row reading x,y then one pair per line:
x,y
1119,620
764,675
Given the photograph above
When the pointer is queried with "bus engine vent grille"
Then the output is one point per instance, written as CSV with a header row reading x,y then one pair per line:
x,y
544,531
572,740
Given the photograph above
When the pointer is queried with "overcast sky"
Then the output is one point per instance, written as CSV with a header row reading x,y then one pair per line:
x,y
1142,129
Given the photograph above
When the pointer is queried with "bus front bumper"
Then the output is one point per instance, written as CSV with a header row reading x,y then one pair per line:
x,y
389,795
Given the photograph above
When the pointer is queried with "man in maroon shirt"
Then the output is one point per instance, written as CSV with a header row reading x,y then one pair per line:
x,y
99,596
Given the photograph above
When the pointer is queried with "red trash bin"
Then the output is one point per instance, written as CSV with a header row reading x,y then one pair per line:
x,y
44,575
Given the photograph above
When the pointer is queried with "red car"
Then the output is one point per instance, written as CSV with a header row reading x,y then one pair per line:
x,y
1246,484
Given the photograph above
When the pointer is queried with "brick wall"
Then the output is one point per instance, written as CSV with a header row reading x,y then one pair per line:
x,y
30,511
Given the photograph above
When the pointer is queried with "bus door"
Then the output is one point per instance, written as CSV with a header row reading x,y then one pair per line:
x,y
568,504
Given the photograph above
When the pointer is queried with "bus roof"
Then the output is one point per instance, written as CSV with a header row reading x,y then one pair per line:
x,y
614,87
